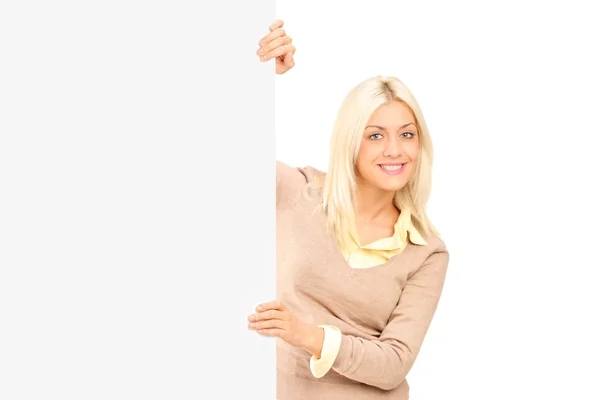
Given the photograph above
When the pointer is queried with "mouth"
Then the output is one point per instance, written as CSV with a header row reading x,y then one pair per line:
x,y
392,169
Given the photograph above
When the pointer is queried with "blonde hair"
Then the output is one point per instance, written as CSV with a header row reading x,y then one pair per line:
x,y
340,183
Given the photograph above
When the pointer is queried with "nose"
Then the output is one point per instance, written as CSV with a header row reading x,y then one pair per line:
x,y
393,147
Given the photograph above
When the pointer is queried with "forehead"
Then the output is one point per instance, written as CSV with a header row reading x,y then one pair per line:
x,y
395,113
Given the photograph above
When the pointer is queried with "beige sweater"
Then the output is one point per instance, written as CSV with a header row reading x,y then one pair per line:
x,y
383,312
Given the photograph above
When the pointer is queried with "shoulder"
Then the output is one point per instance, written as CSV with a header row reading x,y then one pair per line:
x,y
438,256
435,244
292,181
433,255
299,175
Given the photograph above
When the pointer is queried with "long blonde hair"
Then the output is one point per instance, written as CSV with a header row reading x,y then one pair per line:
x,y
338,189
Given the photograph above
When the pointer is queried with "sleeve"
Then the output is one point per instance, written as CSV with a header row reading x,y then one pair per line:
x,y
385,362
290,181
331,346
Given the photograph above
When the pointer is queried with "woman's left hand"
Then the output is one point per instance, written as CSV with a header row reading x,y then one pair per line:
x,y
275,320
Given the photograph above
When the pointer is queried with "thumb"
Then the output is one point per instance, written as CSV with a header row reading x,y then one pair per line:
x,y
289,59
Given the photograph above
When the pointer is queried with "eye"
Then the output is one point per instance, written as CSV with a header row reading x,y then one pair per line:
x,y
408,135
375,136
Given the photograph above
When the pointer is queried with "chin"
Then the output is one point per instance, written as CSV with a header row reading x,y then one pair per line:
x,y
392,183
389,187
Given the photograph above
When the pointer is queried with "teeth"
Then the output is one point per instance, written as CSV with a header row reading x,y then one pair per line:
x,y
391,167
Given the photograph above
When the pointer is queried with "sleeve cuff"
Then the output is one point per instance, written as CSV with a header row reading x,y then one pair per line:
x,y
331,346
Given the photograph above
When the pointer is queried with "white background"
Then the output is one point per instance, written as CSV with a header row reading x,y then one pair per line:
x,y
510,94
127,189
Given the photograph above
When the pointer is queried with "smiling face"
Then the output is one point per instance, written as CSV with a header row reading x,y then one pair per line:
x,y
389,148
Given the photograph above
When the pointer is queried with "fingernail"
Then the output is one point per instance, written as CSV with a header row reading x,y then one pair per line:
x,y
259,308
263,43
265,58
261,51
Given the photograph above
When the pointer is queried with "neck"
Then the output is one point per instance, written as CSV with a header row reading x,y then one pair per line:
x,y
373,203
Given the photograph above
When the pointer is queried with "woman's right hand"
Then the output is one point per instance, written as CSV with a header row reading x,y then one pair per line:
x,y
278,45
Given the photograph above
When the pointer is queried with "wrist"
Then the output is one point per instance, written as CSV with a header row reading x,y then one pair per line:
x,y
315,340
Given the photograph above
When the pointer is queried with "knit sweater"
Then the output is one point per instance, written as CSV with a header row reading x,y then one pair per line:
x,y
383,312
368,255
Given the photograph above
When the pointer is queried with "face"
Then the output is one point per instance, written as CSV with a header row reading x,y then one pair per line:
x,y
389,148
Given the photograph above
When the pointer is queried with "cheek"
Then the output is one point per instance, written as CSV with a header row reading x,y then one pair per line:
x,y
413,151
413,154
367,155
361,164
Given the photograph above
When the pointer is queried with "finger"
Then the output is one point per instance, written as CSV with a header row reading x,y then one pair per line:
x,y
270,314
276,24
271,332
273,44
271,36
279,51
289,59
268,324
271,305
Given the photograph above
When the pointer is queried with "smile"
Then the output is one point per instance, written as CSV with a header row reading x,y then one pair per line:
x,y
392,169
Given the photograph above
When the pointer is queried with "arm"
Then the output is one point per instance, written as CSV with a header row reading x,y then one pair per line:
x,y
385,362
277,45
325,351
289,183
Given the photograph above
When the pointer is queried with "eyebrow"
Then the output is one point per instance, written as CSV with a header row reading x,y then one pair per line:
x,y
382,128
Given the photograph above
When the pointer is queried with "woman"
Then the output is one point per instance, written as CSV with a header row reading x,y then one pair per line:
x,y
360,268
